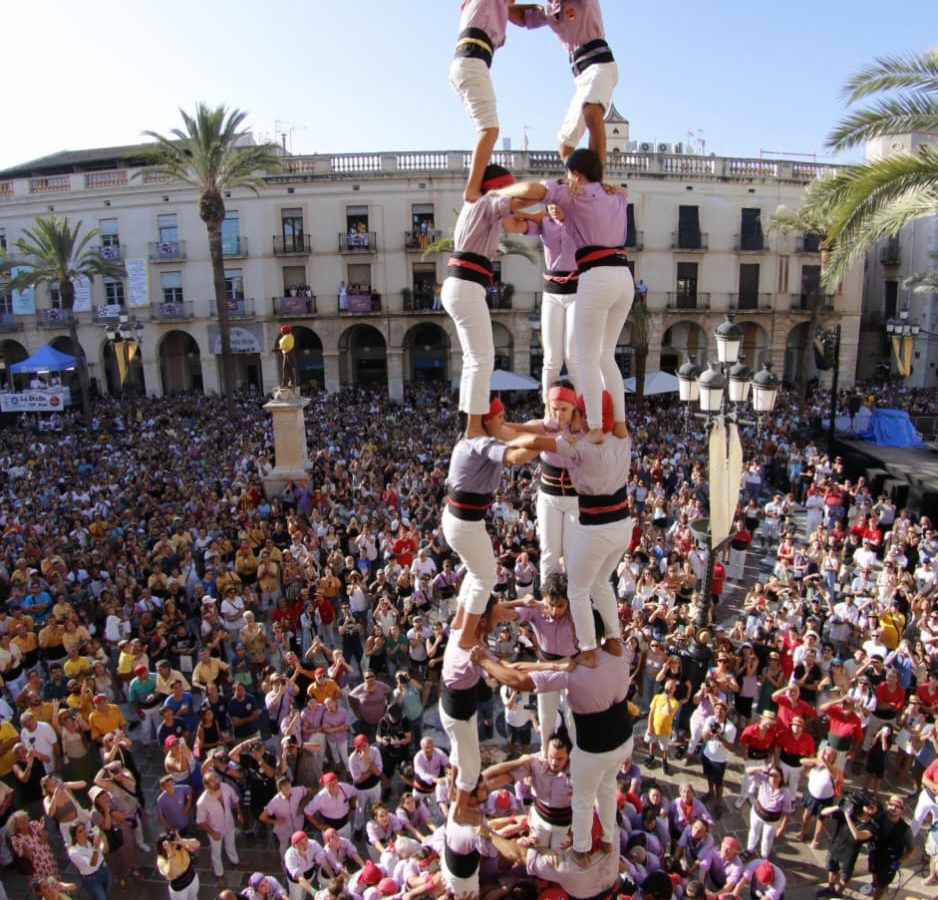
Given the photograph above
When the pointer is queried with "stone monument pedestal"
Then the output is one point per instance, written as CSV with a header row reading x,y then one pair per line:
x,y
290,452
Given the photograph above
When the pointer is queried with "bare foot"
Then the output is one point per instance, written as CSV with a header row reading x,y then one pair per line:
x,y
595,436
588,658
613,646
581,858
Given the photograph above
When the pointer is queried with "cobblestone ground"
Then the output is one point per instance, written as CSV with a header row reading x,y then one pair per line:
x,y
804,867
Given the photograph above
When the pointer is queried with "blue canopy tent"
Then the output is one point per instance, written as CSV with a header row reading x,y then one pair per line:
x,y
45,359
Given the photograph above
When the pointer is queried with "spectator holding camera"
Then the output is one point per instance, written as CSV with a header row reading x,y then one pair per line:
x,y
854,825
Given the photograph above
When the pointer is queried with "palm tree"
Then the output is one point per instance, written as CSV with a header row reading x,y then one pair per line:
x,y
865,203
507,246
212,155
639,329
55,254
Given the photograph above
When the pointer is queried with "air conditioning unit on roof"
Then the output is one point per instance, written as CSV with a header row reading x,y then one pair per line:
x,y
665,148
646,147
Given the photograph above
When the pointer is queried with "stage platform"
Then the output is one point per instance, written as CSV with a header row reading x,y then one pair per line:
x,y
909,476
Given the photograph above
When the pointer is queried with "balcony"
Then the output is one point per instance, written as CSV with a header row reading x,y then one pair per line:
x,y
805,301
752,303
635,240
291,245
675,302
890,255
359,304
690,241
112,252
294,307
416,244
171,311
361,242
55,318
10,322
234,247
106,313
807,244
242,308
749,243
167,251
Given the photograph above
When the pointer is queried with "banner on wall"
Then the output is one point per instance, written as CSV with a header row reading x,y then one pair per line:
x,y
138,282
82,295
53,400
244,339
23,299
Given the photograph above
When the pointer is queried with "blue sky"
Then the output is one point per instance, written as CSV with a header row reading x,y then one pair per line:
x,y
372,74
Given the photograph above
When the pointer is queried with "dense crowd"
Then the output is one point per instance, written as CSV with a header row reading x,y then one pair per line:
x,y
283,658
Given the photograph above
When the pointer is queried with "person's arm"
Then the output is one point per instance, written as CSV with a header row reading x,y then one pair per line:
x,y
528,191
506,848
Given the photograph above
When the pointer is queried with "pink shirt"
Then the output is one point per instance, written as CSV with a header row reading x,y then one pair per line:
x,y
590,690
489,15
216,812
552,637
575,22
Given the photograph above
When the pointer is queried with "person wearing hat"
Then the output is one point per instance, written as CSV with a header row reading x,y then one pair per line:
x,y
302,861
388,887
369,876
333,806
476,468
366,769
721,869
756,743
106,717
264,887
766,881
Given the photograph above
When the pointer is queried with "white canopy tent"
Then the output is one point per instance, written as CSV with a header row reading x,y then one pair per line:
x,y
512,381
655,383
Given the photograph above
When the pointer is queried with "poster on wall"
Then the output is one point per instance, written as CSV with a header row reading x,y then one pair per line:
x,y
138,282
23,299
51,400
82,295
244,339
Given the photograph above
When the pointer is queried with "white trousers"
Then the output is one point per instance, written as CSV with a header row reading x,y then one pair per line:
x,y
595,85
735,564
187,893
594,782
367,797
556,338
603,300
761,834
296,891
547,836
926,805
465,303
151,720
596,552
464,753
228,841
558,519
472,542
338,753
461,888
472,81
548,705
792,776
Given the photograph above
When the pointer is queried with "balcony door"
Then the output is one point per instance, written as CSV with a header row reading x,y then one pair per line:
x,y
686,285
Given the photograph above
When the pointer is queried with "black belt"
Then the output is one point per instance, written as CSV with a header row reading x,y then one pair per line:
x,y
308,874
590,54
337,824
423,787
555,480
474,43
13,673
459,703
461,865
887,714
790,759
181,882
553,815
758,753
560,282
839,742
552,657
600,509
367,783
592,257
764,814
468,506
468,266
600,732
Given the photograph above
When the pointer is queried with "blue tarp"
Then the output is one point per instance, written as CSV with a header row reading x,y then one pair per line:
x,y
891,428
45,359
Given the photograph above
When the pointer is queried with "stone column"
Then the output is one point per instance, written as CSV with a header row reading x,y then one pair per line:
x,y
151,377
290,451
330,365
211,375
270,370
395,364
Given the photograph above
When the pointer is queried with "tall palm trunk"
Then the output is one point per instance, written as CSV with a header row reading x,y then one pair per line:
x,y
641,363
67,293
807,352
212,210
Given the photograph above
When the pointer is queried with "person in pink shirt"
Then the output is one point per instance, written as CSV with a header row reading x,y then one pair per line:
x,y
217,811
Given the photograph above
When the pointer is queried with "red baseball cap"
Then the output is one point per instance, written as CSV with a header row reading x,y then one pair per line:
x,y
360,741
297,837
141,670
328,778
765,872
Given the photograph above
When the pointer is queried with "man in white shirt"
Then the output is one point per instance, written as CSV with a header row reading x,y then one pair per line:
x,y
864,557
773,516
845,618
719,735
423,564
40,737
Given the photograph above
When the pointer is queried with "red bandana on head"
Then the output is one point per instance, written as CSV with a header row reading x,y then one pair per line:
x,y
496,407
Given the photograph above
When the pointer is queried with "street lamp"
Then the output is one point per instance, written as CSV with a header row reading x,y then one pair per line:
x,y
721,391
903,331
124,337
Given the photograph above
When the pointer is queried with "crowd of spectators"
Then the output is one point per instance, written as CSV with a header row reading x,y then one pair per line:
x,y
281,655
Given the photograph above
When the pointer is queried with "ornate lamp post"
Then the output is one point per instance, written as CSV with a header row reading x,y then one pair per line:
x,y
124,337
